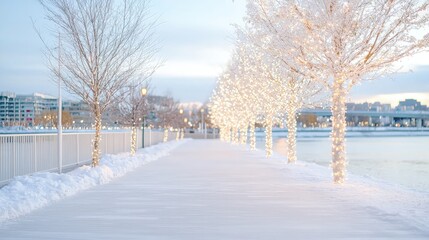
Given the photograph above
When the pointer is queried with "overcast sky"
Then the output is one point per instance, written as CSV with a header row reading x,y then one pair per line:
x,y
196,38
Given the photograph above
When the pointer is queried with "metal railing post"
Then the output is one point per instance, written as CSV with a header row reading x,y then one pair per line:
x,y
150,136
14,139
77,149
35,152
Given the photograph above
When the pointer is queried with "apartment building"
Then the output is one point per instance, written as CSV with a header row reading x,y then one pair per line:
x,y
22,110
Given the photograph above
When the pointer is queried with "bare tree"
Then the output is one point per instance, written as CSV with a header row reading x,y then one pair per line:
x,y
49,118
166,109
132,109
104,45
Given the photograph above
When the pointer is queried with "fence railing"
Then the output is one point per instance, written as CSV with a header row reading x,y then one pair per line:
x,y
22,154
199,135
153,136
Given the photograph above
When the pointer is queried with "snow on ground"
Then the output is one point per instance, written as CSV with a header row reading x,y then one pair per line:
x,y
206,189
387,198
25,194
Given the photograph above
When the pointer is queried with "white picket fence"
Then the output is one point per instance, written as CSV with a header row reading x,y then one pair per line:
x,y
22,154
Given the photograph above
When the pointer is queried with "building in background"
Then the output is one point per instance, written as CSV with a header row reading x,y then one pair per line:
x,y
408,113
24,110
79,112
411,105
40,110
374,107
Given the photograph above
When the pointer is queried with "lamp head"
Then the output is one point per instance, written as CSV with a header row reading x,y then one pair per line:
x,y
143,92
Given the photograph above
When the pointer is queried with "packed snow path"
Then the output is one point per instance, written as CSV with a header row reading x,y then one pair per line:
x,y
207,189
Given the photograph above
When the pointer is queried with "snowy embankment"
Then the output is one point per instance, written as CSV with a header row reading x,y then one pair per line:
x,y
386,200
27,193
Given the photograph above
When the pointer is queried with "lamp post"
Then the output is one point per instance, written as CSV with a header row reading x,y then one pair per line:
x,y
60,112
180,129
202,123
143,94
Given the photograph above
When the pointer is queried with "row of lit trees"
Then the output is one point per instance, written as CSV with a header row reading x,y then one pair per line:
x,y
291,52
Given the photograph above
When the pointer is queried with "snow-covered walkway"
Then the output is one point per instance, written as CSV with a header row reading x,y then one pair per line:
x,y
206,189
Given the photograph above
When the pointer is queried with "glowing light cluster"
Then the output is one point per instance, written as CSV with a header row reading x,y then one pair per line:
x,y
165,139
269,138
133,141
252,136
96,143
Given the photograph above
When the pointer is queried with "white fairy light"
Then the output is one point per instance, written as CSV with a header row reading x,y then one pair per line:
x,y
165,139
252,136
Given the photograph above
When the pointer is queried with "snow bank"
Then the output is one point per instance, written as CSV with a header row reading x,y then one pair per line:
x,y
360,191
27,193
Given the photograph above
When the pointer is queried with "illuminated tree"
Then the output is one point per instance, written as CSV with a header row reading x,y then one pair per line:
x,y
167,112
361,40
341,43
291,88
245,93
132,108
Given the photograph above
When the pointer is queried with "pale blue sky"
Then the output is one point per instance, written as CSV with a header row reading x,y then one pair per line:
x,y
196,38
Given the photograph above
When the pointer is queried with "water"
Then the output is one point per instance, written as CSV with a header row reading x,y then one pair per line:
x,y
399,160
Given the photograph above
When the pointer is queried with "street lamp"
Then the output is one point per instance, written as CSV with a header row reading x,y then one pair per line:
x,y
143,94
181,130
202,123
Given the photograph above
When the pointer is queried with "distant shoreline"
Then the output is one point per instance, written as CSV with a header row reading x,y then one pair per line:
x,y
353,132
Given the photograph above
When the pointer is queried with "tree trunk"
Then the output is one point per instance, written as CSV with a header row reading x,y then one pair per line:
x,y
178,135
223,134
226,132
292,108
243,136
252,136
269,136
165,134
291,136
133,140
97,138
339,131
229,134
235,132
